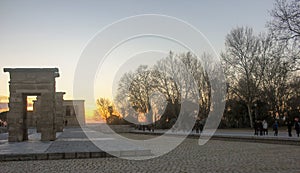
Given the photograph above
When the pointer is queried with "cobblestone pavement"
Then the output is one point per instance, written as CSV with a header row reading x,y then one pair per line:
x,y
214,156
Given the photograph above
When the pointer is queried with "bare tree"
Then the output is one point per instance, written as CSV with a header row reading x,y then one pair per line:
x,y
103,105
285,28
176,77
165,78
134,91
182,76
286,20
122,95
276,74
241,63
294,95
201,78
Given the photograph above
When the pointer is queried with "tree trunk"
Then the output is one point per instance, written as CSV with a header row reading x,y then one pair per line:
x,y
250,115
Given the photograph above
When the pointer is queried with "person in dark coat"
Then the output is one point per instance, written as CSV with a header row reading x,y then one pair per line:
x,y
260,127
255,128
289,125
197,126
297,127
275,128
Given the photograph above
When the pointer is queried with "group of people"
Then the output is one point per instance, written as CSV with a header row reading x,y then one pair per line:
x,y
198,127
261,127
296,125
149,127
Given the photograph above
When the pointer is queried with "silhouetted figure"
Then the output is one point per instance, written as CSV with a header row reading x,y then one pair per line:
x,y
197,126
289,125
149,128
255,128
297,127
275,128
201,126
260,128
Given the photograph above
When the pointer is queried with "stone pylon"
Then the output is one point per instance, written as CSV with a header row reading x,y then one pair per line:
x,y
31,82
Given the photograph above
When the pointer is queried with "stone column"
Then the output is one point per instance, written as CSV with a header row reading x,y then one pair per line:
x,y
36,111
15,117
47,118
59,119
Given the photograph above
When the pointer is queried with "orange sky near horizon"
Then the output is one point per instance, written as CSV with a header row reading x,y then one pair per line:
x,y
89,114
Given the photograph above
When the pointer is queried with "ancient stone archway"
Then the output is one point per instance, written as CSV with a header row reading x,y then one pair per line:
x,y
32,81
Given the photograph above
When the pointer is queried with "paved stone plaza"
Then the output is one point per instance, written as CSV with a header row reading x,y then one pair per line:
x,y
71,143
215,156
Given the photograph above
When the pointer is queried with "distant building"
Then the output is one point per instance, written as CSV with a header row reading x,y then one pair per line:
x,y
74,113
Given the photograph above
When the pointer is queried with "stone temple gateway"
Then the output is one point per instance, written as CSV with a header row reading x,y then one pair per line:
x,y
48,114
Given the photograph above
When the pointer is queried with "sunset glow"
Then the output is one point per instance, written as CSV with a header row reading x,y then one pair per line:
x,y
3,103
30,100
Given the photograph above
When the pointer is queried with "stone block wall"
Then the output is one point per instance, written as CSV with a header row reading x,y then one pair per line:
x,y
59,119
74,113
27,82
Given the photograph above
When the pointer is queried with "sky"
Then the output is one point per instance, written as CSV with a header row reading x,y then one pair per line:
x,y
36,33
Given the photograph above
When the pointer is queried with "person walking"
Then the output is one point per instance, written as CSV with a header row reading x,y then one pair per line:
x,y
255,128
265,127
260,127
197,126
297,127
275,128
289,125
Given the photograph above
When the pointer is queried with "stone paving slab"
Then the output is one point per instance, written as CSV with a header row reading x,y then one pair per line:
x,y
33,145
70,144
53,156
233,135
73,143
216,156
